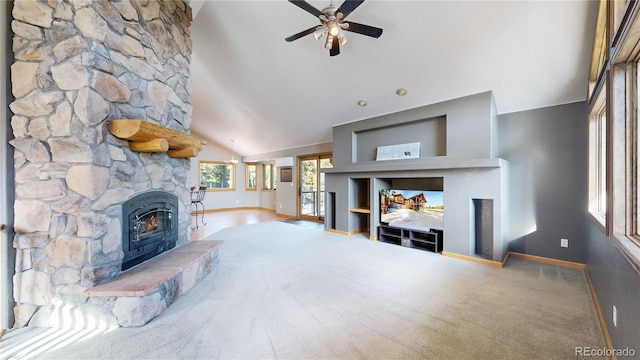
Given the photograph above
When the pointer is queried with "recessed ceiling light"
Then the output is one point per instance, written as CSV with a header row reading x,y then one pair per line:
x,y
401,92
362,103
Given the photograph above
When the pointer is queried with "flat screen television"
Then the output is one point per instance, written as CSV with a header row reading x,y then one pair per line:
x,y
412,209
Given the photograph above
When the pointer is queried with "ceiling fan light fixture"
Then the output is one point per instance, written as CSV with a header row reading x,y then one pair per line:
x,y
334,29
343,39
332,24
320,32
329,44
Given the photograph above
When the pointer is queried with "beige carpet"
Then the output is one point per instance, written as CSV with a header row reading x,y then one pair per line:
x,y
291,292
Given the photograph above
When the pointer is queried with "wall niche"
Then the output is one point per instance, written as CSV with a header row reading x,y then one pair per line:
x,y
431,133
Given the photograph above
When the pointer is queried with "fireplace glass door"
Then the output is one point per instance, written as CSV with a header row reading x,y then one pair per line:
x,y
151,223
150,226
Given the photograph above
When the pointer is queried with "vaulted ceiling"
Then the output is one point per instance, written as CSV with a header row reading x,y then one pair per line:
x,y
250,85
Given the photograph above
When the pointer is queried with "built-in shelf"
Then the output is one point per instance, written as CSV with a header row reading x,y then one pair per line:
x,y
148,137
427,239
434,163
362,210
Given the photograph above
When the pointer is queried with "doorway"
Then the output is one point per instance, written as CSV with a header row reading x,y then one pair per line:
x,y
311,195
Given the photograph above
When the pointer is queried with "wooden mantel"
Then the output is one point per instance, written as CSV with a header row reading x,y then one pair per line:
x,y
147,137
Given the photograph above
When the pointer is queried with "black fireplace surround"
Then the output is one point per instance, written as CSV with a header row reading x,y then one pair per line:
x,y
149,226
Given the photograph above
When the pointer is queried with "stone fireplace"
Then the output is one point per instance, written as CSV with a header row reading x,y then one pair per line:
x,y
77,65
149,226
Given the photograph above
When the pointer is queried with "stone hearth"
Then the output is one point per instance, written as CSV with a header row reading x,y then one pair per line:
x,y
137,296
77,65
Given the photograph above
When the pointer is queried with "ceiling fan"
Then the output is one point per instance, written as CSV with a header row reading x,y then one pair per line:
x,y
332,24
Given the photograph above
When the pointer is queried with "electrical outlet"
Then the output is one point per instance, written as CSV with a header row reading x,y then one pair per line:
x,y
564,243
615,316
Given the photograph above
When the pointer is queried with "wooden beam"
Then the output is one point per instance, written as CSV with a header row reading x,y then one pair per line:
x,y
145,136
180,153
155,145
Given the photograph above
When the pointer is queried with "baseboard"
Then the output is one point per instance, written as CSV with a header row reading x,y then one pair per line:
x,y
478,260
596,304
347,233
234,208
281,214
510,254
200,212
547,260
336,231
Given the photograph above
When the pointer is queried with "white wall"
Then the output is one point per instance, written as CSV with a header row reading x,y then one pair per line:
x,y
237,198
283,201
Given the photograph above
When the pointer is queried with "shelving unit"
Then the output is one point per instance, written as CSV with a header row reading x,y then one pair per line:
x,y
391,234
362,210
430,240
359,209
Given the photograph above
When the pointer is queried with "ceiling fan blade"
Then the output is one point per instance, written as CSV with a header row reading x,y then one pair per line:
x,y
301,34
348,6
364,29
335,47
306,7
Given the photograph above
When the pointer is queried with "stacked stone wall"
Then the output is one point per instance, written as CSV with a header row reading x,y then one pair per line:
x,y
78,64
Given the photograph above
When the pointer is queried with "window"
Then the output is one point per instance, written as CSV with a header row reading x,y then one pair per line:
x,y
251,181
624,134
598,159
217,175
269,176
614,127
634,167
632,152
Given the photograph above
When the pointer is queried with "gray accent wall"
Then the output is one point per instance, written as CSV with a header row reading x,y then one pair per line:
x,y
465,127
617,284
430,133
469,121
547,152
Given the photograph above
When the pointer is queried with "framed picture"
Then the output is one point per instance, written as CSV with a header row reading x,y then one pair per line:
x,y
285,174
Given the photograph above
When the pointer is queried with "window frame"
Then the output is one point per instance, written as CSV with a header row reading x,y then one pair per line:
x,y
633,151
597,202
269,170
247,180
626,162
626,145
232,172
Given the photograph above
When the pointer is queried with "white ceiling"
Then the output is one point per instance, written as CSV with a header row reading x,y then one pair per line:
x,y
266,94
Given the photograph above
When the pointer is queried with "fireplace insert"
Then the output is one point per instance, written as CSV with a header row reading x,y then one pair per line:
x,y
149,226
